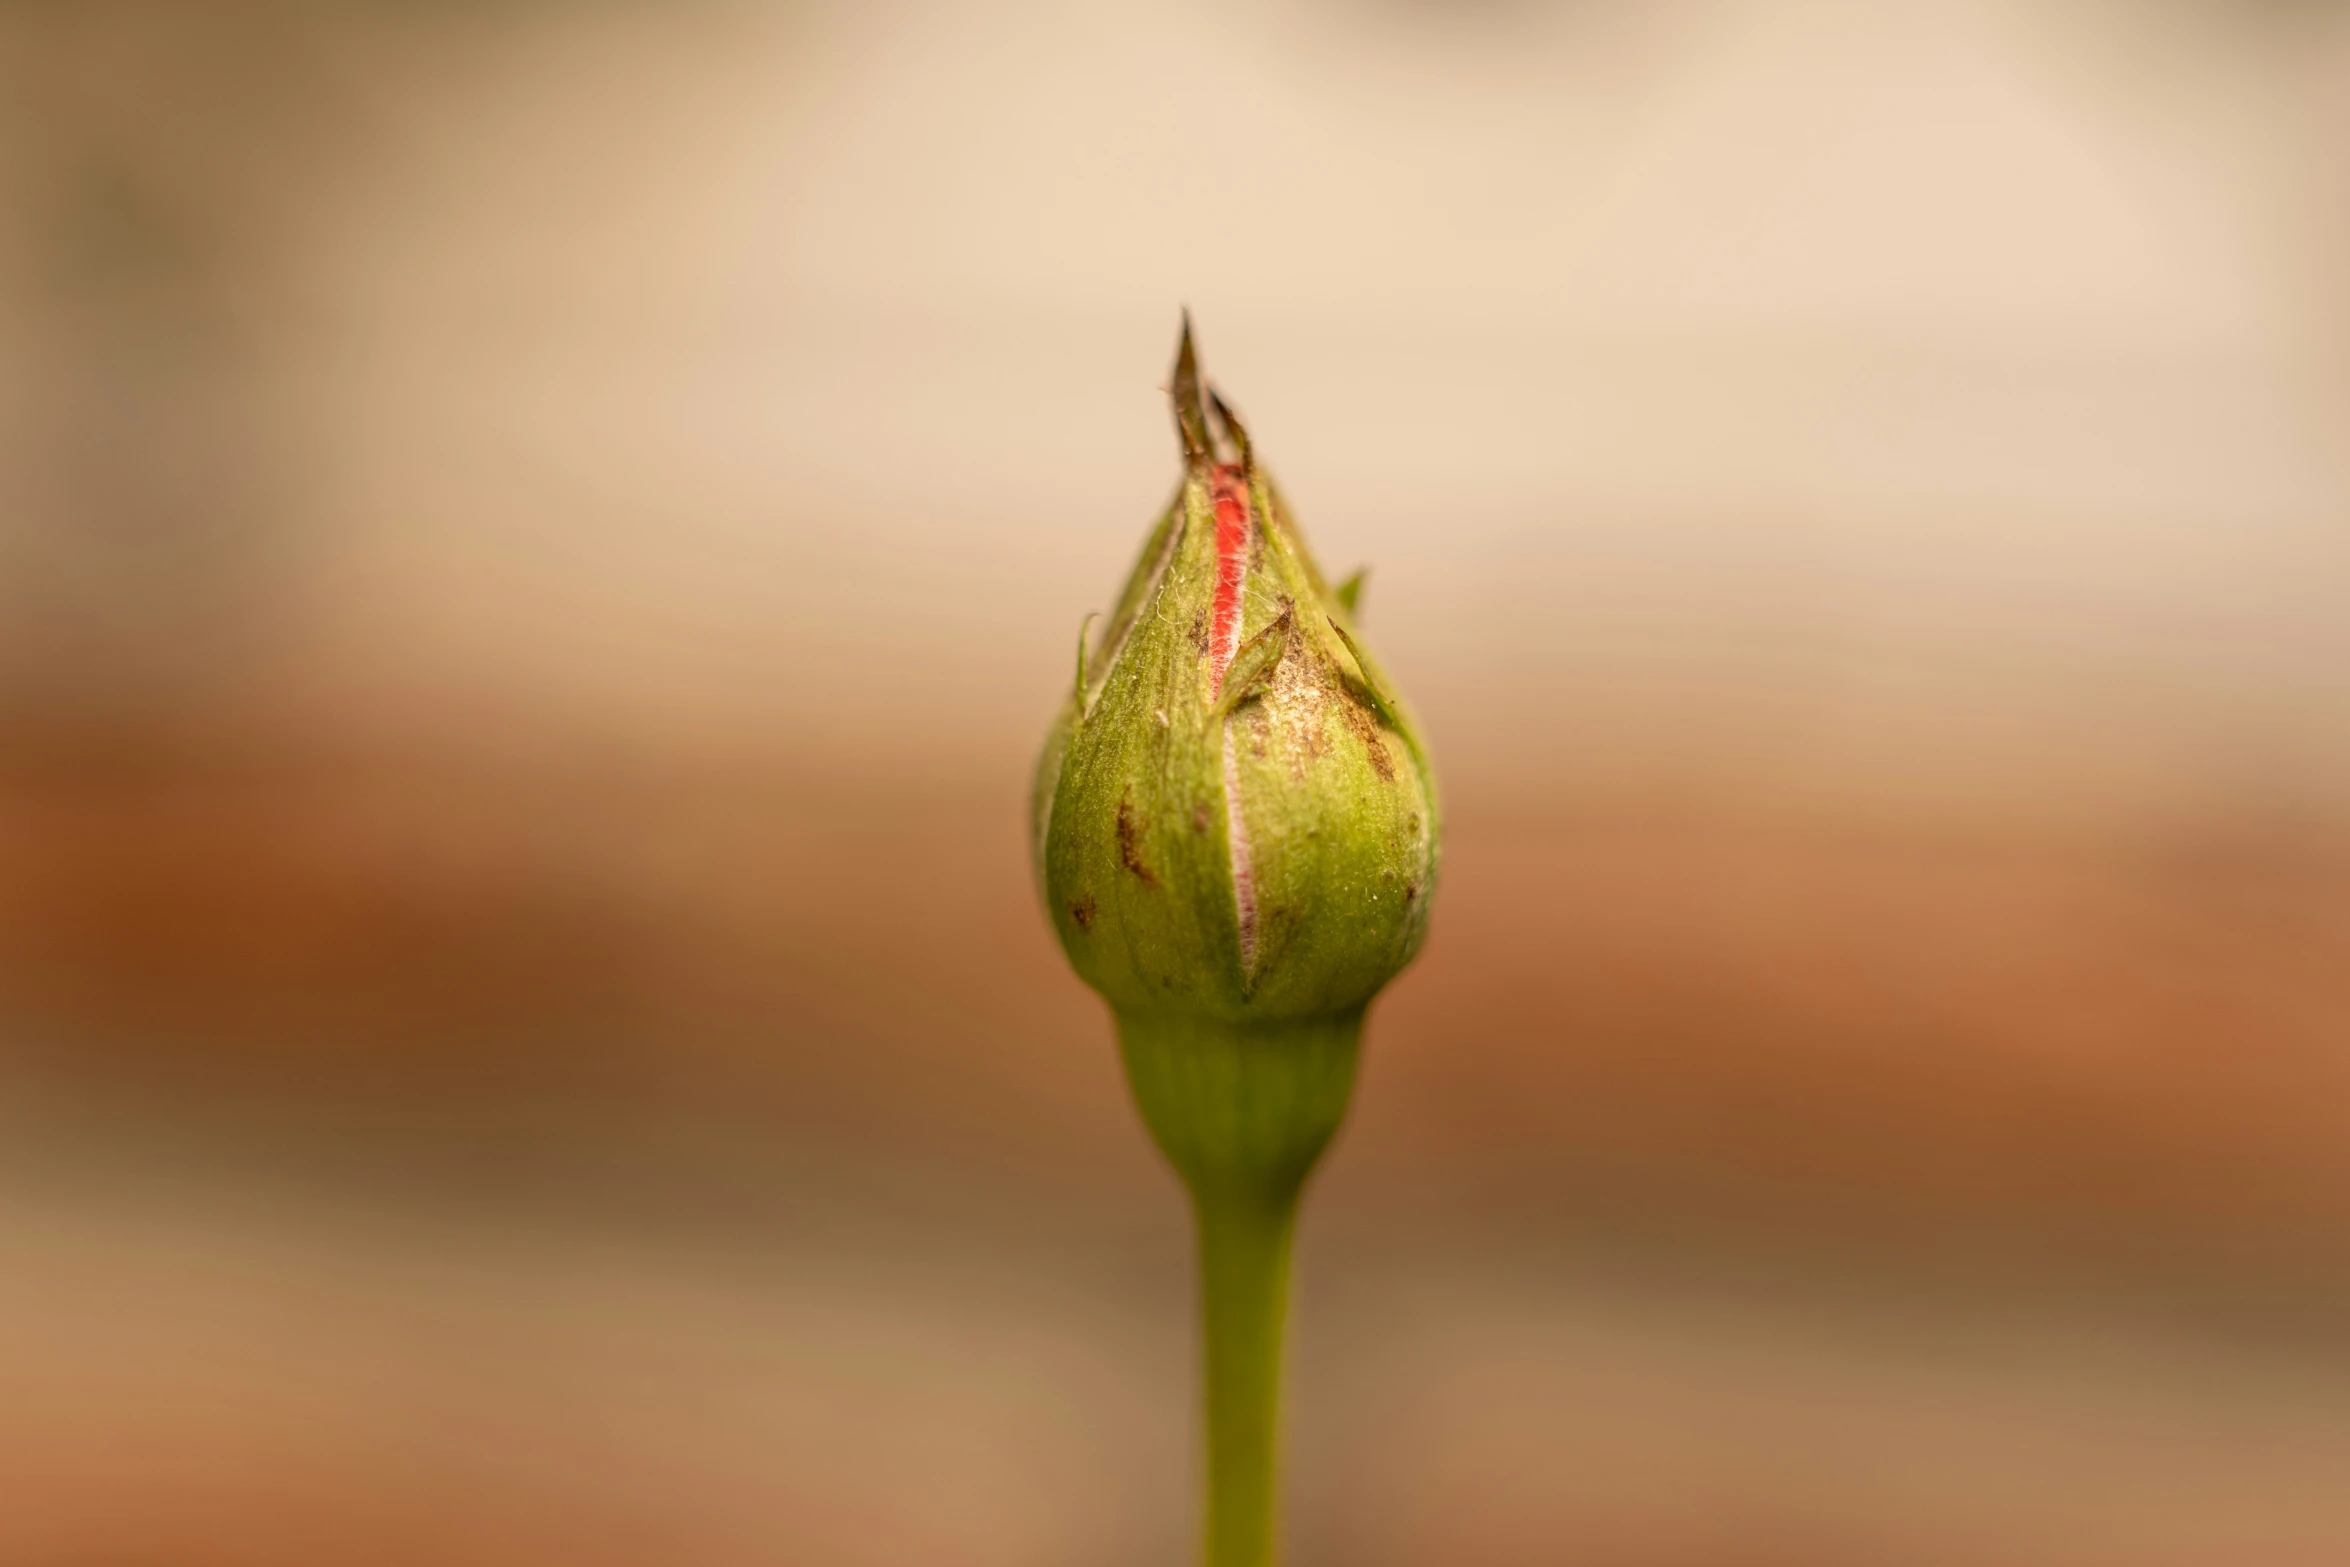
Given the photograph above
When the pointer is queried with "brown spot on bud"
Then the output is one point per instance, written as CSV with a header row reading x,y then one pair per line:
x,y
1130,843
1365,724
1082,912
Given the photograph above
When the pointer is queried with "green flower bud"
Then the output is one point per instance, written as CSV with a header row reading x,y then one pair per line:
x,y
1234,818
1235,831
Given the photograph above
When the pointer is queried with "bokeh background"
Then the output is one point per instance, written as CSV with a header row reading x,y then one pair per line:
x,y
536,541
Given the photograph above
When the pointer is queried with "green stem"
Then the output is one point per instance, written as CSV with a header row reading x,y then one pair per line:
x,y
1242,1111
1244,1290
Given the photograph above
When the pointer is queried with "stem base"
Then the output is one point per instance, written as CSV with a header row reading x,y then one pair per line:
x,y
1242,1112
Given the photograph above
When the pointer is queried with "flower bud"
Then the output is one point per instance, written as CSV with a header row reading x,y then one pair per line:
x,y
1234,816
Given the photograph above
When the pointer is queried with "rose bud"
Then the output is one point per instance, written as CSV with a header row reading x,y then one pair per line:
x,y
1235,831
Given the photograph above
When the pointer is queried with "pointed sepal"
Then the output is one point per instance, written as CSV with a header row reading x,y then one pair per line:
x,y
1191,418
1084,634
1253,666
1350,592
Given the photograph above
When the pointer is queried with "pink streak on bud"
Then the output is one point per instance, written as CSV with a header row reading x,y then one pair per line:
x,y
1229,487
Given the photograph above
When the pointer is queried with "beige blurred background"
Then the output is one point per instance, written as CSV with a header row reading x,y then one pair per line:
x,y
536,541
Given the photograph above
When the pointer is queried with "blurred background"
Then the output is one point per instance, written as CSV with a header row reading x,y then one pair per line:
x,y
537,540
